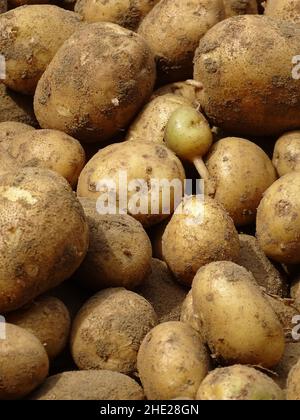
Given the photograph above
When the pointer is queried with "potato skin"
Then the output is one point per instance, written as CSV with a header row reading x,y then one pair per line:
x,y
286,156
222,291
10,129
109,329
240,7
287,10
189,21
245,66
98,80
29,49
278,220
293,383
44,235
188,89
7,162
172,361
16,107
188,315
24,363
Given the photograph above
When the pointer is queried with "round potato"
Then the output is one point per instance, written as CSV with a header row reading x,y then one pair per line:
x,y
240,7
287,10
109,329
293,383
24,363
44,235
16,107
286,156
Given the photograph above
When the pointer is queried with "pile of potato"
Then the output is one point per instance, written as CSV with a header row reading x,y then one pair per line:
x,y
134,304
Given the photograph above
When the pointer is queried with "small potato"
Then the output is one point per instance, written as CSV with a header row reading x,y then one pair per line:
x,y
238,323
24,363
16,107
293,384
189,89
48,319
286,10
188,315
172,361
240,7
239,383
10,129
286,156
89,385
109,329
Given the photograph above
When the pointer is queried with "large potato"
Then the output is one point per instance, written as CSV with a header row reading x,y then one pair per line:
x,y
286,157
28,48
293,383
245,65
44,235
238,323
283,10
173,29
96,83
16,107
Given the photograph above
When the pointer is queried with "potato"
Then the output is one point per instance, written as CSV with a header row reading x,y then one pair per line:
x,y
172,361
295,288
173,29
119,253
240,7
125,12
48,319
239,382
109,329
44,235
278,220
245,65
188,315
89,385
288,361
287,10
188,89
238,323
24,363
98,80
7,162
293,383
242,173
286,156
49,149
204,233
10,129
16,107
137,174
29,49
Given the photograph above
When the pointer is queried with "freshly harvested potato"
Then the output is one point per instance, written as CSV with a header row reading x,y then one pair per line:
x,y
109,328
238,382
89,385
238,323
288,361
44,235
278,220
24,363
16,107
287,10
28,49
286,156
245,65
48,319
125,12
138,170
204,233
173,29
172,361
96,83
49,149
242,173
293,383
10,129
188,315
239,7
188,89
119,253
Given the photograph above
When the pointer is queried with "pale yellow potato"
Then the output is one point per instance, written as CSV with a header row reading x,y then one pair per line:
x,y
286,156
293,384
240,7
10,129
287,10
188,89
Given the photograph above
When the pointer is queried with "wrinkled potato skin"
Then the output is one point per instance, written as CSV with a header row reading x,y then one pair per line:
x,y
287,153
245,66
28,48
240,7
222,291
242,172
24,363
278,220
172,361
98,80
287,10
44,235
109,329
16,107
293,383
48,319
189,21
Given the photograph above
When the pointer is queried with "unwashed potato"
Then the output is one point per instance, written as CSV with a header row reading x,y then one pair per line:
x,y
173,29
24,363
239,382
44,235
141,171
125,13
245,65
278,220
242,172
49,149
240,7
119,253
188,89
188,315
16,107
238,323
10,129
89,385
286,156
172,361
48,319
287,10
293,383
288,361
28,49
98,80
204,233
109,328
